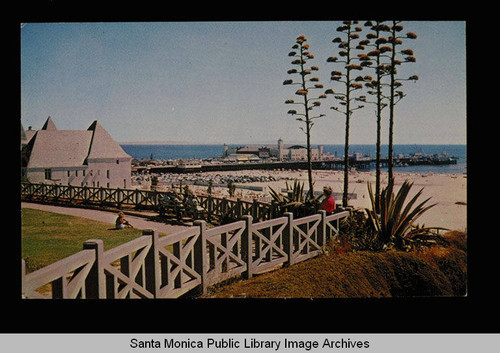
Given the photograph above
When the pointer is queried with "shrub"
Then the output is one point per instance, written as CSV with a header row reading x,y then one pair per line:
x,y
356,233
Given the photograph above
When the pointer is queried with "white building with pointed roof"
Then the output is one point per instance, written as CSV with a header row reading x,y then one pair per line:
x,y
82,158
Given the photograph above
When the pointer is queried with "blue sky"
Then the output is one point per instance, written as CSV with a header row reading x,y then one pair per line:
x,y
221,82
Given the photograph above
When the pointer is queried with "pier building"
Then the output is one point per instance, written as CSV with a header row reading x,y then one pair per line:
x,y
278,152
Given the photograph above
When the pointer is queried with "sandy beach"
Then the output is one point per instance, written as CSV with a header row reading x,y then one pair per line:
x,y
449,191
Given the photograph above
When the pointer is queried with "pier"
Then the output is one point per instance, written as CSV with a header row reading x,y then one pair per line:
x,y
362,163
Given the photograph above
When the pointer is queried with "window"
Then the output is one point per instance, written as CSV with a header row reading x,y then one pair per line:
x,y
69,173
48,174
107,173
117,161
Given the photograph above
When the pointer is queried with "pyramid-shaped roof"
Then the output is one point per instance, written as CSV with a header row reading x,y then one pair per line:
x,y
26,135
49,124
103,145
50,147
23,134
59,148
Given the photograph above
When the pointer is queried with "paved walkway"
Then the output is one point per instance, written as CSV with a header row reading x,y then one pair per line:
x,y
106,217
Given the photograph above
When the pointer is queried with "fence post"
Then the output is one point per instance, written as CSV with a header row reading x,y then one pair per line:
x,y
151,263
224,207
288,238
210,202
272,210
95,286
255,211
322,229
101,196
238,208
119,198
246,245
85,194
200,254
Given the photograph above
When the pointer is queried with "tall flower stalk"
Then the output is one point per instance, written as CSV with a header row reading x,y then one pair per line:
x,y
377,42
307,84
396,40
385,53
344,75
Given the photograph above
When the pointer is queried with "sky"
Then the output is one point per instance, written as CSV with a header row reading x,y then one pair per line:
x,y
222,82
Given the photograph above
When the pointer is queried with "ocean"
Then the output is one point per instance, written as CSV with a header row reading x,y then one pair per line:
x,y
201,151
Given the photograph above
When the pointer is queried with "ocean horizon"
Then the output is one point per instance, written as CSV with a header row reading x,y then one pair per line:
x,y
173,151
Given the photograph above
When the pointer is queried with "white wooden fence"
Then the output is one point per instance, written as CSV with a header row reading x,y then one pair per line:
x,y
193,259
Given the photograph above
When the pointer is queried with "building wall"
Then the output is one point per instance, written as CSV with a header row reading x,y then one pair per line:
x,y
300,154
112,173
56,175
297,154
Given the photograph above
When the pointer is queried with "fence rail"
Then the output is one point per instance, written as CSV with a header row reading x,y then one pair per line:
x,y
90,195
192,259
68,277
216,208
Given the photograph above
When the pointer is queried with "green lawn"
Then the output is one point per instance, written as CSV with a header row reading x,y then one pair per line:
x,y
48,237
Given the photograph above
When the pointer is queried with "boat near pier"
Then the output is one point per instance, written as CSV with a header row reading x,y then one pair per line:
x,y
424,159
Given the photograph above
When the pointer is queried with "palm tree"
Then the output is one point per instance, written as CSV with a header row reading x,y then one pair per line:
x,y
302,55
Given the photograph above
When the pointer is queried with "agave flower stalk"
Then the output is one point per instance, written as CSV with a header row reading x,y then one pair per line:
x,y
306,86
379,47
395,40
347,59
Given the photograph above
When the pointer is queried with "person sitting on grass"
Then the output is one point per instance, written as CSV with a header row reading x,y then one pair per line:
x,y
121,222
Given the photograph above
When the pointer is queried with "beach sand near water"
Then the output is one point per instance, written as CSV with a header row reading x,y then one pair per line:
x,y
449,191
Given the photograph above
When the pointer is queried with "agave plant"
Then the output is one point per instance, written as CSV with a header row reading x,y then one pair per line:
x,y
294,194
394,225
294,199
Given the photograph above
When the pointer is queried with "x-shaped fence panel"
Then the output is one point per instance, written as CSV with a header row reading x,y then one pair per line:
x,y
66,278
332,223
306,235
224,252
179,263
266,238
129,280
197,257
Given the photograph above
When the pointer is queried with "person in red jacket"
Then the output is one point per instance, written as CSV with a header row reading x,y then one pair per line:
x,y
328,203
